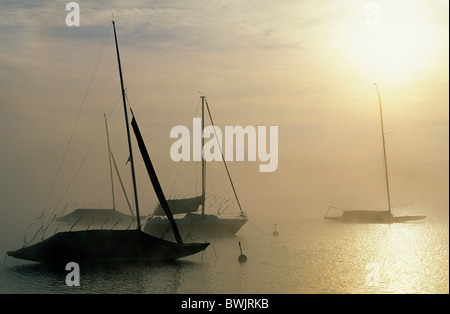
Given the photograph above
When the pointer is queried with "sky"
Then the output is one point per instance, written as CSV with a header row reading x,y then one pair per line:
x,y
307,67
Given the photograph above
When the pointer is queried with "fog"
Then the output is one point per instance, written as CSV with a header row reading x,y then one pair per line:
x,y
300,66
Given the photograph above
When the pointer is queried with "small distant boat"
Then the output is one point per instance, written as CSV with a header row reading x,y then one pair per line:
x,y
196,221
98,245
374,216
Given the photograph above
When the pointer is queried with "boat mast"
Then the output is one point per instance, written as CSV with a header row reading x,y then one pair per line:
x,y
203,157
110,164
225,164
128,131
384,151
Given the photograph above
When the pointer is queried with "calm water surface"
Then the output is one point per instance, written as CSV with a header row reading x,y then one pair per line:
x,y
308,256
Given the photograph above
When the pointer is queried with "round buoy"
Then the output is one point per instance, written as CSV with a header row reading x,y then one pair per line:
x,y
242,257
275,233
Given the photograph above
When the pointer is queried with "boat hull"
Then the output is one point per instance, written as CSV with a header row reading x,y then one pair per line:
x,y
376,217
196,225
105,246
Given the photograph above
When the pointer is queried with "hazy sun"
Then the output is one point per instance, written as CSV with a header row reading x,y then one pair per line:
x,y
395,39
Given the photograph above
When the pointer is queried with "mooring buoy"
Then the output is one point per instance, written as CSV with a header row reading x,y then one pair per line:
x,y
242,257
275,233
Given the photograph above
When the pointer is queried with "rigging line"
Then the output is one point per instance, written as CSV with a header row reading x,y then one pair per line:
x,y
196,109
57,228
197,174
90,223
210,181
221,206
168,177
204,252
214,201
79,167
223,159
75,223
34,237
43,232
103,223
132,220
256,227
180,163
84,159
121,184
78,116
225,208
116,223
396,152
222,202
194,113
175,180
224,205
406,204
328,210
211,186
26,231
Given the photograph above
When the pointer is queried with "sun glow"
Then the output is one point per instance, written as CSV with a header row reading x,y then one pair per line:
x,y
392,41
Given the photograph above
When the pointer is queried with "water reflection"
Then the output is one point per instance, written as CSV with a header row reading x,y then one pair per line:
x,y
307,257
136,277
408,257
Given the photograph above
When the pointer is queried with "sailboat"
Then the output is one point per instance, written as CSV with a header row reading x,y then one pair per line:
x,y
375,216
89,216
196,222
99,245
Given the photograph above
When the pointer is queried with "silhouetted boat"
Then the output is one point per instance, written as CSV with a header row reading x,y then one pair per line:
x,y
114,245
105,246
196,221
375,216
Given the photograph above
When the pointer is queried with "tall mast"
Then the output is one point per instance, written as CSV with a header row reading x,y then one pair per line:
x,y
110,164
384,151
128,131
203,157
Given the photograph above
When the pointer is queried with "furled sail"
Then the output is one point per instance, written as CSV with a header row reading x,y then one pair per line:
x,y
154,179
181,206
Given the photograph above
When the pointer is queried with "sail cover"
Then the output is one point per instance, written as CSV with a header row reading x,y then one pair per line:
x,y
181,206
94,213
